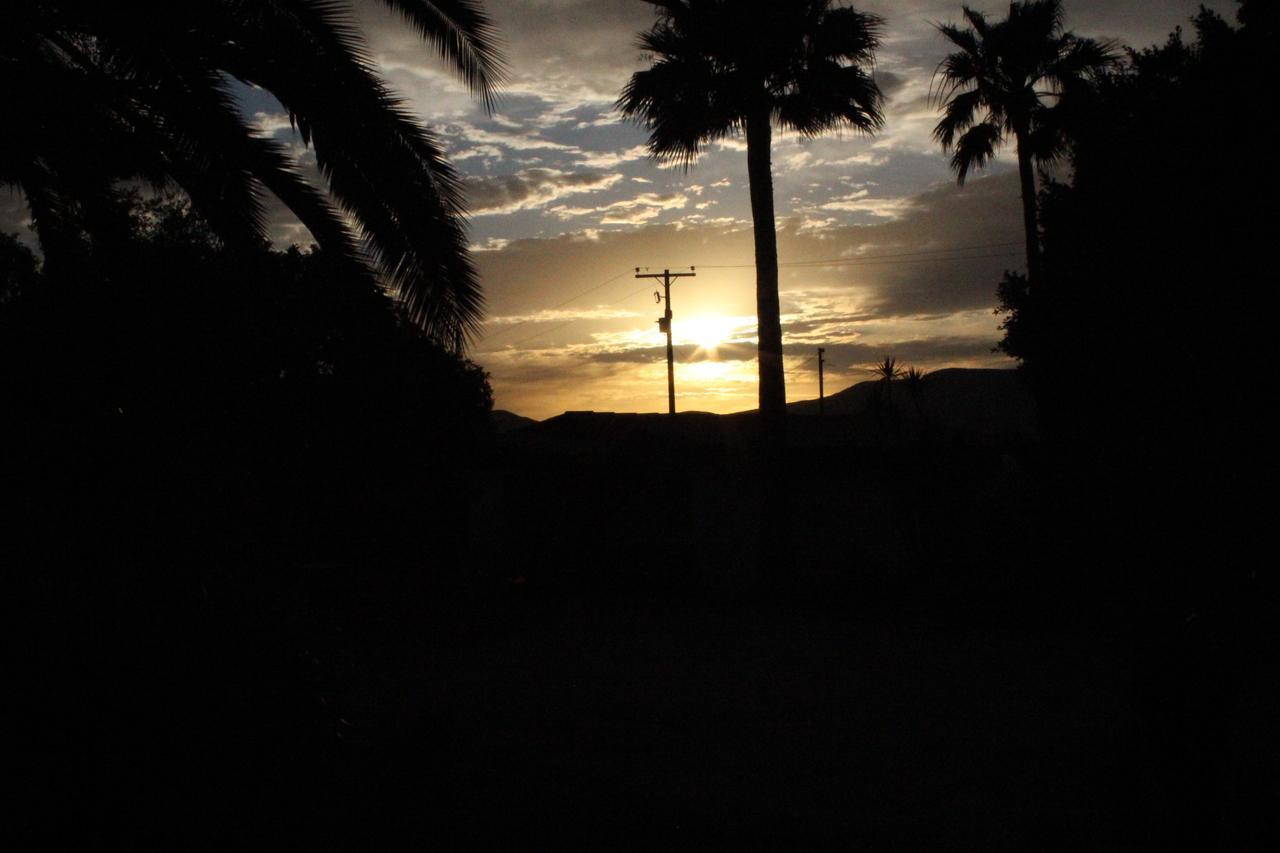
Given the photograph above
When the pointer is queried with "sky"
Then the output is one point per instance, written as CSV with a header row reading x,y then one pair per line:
x,y
565,205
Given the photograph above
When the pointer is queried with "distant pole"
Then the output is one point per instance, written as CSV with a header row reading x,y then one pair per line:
x,y
822,403
664,325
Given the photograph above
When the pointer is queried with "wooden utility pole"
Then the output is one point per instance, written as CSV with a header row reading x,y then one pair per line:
x,y
664,325
822,403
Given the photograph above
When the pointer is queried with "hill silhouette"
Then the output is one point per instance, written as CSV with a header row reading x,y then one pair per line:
x,y
980,402
503,421
955,404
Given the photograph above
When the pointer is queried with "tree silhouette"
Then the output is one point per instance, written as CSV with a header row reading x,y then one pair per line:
x,y
98,93
19,270
722,68
886,371
1012,78
913,378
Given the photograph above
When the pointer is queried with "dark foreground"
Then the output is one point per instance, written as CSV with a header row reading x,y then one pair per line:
x,y
627,638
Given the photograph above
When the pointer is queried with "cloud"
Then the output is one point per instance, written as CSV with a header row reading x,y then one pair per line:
x,y
465,133
641,208
482,152
562,315
628,211
530,188
598,160
945,252
854,360
861,202
271,123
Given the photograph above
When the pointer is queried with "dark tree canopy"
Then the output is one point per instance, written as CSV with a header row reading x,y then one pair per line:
x,y
1153,251
96,93
1015,78
233,372
19,269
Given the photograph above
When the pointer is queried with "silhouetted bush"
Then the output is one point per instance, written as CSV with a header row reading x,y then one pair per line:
x,y
268,397
1144,345
1144,342
212,459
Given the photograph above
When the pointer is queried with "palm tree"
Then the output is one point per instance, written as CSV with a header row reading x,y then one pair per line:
x,y
1009,79
913,378
100,93
886,372
724,67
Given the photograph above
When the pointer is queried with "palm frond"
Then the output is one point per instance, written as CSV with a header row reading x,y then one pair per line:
x,y
383,168
975,149
887,369
465,36
957,71
844,33
1078,60
828,98
961,112
167,115
683,105
965,39
977,20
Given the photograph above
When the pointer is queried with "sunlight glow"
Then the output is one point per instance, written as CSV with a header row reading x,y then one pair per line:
x,y
717,371
707,331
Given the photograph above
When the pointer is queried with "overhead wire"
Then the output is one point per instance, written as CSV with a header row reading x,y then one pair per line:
x,y
798,368
558,305
868,259
560,326
929,256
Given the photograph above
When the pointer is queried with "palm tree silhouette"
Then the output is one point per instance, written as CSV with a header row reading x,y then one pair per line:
x,y
98,93
913,378
722,67
1010,78
886,372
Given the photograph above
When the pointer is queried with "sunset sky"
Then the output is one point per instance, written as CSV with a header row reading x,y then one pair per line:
x,y
565,204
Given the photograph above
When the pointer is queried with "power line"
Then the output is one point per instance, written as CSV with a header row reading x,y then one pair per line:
x,y
557,306
870,263
868,259
560,326
799,367
896,262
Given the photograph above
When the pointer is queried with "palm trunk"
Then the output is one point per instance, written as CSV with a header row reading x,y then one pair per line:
x,y
1030,224
773,389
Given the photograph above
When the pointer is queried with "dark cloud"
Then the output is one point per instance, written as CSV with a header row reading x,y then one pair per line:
x,y
889,82
945,253
855,360
684,354
530,188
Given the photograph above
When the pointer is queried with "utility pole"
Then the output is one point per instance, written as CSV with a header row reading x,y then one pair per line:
x,y
822,403
664,325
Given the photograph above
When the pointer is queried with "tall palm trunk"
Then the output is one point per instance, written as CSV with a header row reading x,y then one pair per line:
x,y
773,389
1027,174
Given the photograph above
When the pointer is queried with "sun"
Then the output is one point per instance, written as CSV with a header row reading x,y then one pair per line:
x,y
707,332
